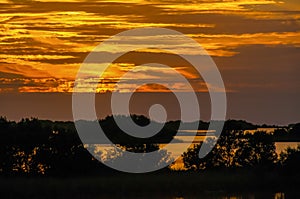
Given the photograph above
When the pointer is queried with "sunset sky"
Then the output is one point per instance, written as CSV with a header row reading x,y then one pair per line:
x,y
254,43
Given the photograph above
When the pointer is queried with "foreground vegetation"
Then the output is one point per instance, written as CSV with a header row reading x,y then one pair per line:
x,y
35,147
45,158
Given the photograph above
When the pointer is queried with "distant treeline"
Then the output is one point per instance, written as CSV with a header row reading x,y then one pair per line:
x,y
41,147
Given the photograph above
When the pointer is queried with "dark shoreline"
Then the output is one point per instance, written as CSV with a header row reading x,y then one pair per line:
x,y
211,184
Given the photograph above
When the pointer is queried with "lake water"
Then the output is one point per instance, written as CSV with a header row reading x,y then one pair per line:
x,y
186,136
281,146
278,195
220,195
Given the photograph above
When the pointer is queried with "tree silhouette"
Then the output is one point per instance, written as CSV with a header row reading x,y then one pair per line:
x,y
289,160
234,150
42,147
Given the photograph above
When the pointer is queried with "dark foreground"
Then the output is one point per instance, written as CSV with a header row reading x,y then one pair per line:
x,y
156,185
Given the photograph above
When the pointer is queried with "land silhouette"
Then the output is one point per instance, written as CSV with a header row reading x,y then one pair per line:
x,y
49,155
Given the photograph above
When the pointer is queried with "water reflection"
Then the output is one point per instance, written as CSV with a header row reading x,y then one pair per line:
x,y
185,137
218,195
278,195
281,146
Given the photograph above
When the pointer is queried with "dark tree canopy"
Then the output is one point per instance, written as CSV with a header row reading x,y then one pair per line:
x,y
234,150
43,147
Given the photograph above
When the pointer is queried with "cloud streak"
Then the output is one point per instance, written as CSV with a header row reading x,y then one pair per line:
x,y
45,42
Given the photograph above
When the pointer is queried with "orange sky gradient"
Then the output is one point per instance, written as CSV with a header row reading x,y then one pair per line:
x,y
43,43
255,44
